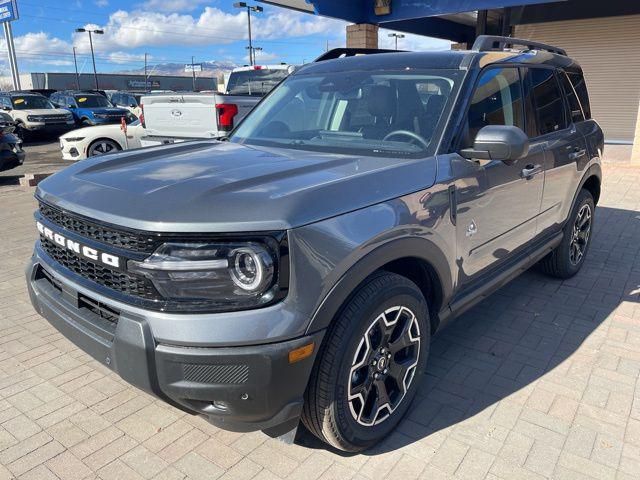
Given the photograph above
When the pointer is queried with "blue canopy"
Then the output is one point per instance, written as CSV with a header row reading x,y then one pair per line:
x,y
423,17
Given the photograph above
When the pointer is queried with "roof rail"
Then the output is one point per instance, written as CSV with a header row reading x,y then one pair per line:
x,y
350,52
488,43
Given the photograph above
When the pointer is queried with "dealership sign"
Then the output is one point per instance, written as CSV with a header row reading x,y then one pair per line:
x,y
196,67
141,84
8,11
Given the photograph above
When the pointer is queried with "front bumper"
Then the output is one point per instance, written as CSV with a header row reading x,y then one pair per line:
x,y
240,388
41,127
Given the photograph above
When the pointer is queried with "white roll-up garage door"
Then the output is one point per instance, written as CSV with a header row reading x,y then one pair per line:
x,y
609,51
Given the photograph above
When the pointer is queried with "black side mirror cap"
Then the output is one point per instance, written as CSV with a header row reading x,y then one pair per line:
x,y
498,142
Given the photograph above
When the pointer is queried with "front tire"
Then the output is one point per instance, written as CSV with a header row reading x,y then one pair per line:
x,y
102,146
368,371
568,257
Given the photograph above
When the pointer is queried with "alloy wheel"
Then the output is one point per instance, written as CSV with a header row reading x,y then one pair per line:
x,y
580,235
102,147
383,365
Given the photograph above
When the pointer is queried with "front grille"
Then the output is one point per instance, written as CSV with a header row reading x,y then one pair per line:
x,y
133,242
119,281
55,118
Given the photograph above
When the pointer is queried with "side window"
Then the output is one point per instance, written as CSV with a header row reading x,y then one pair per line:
x,y
575,111
497,100
547,101
70,101
577,80
116,99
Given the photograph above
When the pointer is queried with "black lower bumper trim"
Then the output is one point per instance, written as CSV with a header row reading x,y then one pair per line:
x,y
243,388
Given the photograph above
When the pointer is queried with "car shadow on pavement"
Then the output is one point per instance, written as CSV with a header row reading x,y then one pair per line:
x,y
484,366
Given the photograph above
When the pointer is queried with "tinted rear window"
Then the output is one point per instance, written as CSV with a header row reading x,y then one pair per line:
x,y
547,101
573,105
255,82
577,80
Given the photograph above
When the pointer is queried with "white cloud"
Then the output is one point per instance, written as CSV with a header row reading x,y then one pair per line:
x,y
172,5
263,58
39,47
126,30
125,57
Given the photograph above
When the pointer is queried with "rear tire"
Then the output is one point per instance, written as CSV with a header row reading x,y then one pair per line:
x,y
567,258
354,399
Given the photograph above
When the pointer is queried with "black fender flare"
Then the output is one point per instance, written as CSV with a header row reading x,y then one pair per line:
x,y
594,170
414,247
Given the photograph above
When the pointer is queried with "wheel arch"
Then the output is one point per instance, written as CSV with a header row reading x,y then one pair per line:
x,y
591,181
100,139
417,259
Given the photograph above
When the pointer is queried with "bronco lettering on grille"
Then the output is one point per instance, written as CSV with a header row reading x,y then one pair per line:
x,y
106,259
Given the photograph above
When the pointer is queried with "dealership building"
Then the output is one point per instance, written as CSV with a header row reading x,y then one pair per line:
x,y
115,81
603,36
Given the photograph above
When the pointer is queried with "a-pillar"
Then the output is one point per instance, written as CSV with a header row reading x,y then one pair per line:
x,y
362,35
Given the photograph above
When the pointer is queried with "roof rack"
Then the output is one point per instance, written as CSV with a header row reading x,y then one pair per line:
x,y
350,52
488,43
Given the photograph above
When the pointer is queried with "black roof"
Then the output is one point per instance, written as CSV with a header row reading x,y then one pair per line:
x,y
489,50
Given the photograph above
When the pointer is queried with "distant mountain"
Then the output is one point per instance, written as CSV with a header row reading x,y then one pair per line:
x,y
209,69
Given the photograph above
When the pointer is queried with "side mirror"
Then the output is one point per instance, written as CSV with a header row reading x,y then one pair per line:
x,y
71,106
498,142
6,109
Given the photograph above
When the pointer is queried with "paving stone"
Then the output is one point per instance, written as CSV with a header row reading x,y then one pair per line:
x,y
540,380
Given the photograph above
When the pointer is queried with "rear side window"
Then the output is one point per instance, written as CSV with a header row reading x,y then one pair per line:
x,y
577,80
497,100
573,105
547,101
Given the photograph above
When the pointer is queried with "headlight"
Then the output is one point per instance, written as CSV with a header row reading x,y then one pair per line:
x,y
73,139
218,276
33,118
69,118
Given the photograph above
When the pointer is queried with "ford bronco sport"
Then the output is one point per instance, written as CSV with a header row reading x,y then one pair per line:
x,y
299,269
34,113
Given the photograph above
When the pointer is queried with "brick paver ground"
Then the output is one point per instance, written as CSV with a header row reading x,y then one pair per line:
x,y
541,380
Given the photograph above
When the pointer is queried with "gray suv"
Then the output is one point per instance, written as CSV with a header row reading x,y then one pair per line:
x,y
298,270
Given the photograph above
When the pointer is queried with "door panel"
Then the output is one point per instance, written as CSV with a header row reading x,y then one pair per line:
x,y
498,204
565,145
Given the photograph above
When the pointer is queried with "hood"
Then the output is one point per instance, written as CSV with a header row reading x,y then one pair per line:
x,y
45,111
209,186
105,109
109,129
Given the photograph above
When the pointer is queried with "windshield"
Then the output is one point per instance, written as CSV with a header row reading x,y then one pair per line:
x,y
255,82
31,102
391,113
92,101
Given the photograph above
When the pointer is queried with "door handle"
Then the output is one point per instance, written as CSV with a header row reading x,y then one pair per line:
x,y
531,170
581,152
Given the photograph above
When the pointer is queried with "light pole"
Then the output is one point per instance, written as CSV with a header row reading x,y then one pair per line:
x,y
250,8
396,36
75,62
93,58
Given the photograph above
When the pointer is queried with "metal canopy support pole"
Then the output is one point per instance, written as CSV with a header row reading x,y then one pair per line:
x,y
506,22
13,62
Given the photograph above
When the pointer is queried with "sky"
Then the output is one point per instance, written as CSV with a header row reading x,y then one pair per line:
x,y
171,31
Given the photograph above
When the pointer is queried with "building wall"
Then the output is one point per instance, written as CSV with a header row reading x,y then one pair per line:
x,y
62,81
607,50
